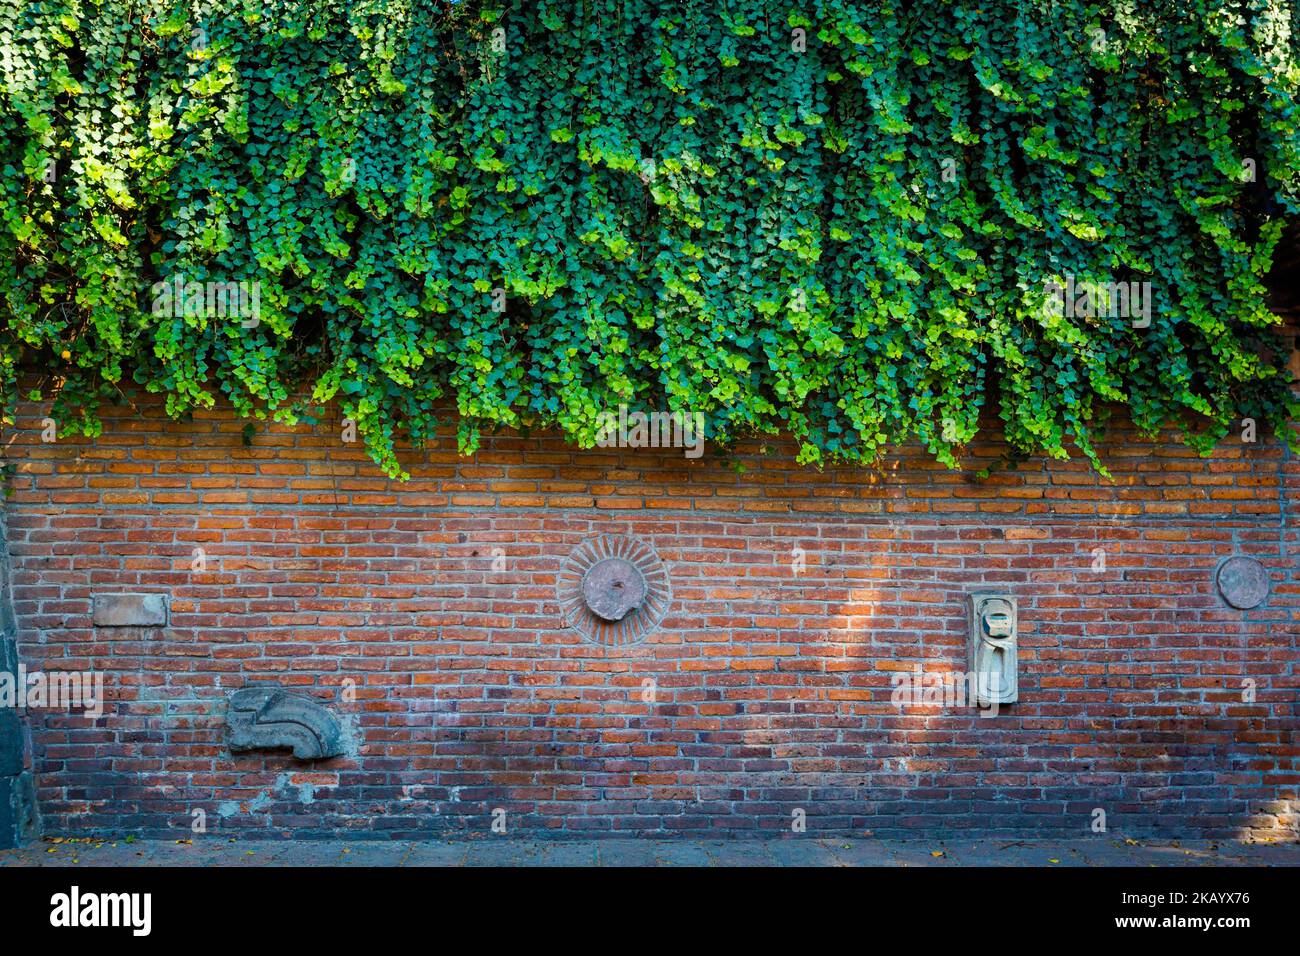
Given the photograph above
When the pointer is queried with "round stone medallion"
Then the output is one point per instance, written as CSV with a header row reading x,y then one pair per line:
x,y
614,590
1243,582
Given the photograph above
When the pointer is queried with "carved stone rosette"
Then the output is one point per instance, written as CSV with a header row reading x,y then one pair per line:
x,y
614,590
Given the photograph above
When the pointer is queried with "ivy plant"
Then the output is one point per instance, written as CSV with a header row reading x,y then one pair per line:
x,y
840,221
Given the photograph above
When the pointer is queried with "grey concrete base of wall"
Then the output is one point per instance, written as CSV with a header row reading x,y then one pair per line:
x,y
17,810
17,793
18,816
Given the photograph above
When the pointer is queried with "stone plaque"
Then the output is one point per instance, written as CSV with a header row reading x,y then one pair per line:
x,y
130,610
1243,582
614,590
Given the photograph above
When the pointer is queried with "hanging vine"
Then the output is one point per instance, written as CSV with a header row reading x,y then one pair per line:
x,y
843,221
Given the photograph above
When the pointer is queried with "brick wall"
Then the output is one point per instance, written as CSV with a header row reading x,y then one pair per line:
x,y
772,682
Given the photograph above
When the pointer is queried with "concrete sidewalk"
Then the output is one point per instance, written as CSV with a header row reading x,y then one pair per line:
x,y
511,851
